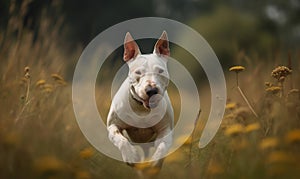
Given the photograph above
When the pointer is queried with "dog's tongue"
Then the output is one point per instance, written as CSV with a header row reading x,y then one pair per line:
x,y
151,102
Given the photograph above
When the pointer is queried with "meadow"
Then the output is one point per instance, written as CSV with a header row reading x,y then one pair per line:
x,y
39,137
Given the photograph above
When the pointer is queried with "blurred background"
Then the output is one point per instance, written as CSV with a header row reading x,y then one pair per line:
x,y
265,29
41,42
228,26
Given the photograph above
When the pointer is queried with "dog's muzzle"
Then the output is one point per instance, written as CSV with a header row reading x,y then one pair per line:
x,y
153,93
152,100
150,91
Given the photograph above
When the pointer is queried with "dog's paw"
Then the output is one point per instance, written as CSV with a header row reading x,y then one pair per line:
x,y
129,153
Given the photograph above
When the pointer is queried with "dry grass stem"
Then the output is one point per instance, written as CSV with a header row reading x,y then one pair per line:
x,y
238,69
193,138
246,100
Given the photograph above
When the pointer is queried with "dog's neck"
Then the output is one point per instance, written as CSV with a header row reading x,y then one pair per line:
x,y
137,103
134,96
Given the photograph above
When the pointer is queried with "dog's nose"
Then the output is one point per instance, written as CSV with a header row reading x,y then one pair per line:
x,y
150,91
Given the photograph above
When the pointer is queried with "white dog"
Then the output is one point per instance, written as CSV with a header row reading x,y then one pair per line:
x,y
141,113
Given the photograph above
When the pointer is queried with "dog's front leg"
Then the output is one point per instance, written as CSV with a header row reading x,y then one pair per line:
x,y
162,145
129,153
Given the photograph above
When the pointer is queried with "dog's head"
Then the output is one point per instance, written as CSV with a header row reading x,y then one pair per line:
x,y
148,73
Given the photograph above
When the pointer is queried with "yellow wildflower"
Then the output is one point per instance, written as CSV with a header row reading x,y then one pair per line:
x,y
252,127
87,153
231,106
230,116
268,84
57,77
237,69
82,175
273,89
278,157
147,168
269,142
48,88
294,91
281,71
234,129
49,164
40,83
293,136
60,82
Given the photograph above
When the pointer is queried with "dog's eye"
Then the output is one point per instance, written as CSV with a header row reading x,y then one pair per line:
x,y
138,72
160,70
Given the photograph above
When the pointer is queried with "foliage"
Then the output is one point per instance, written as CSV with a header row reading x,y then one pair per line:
x,y
39,136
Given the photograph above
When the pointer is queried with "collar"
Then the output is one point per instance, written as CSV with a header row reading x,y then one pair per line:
x,y
134,96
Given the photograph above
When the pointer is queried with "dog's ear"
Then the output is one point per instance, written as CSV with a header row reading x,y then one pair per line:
x,y
162,45
131,49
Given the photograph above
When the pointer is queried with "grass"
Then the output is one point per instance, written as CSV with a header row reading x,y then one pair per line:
x,y
39,136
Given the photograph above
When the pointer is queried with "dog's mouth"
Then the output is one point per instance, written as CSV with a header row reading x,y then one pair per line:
x,y
149,102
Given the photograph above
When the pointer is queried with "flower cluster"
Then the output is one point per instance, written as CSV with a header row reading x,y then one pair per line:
x,y
281,72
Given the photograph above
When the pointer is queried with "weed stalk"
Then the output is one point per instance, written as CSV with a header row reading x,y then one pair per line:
x,y
26,98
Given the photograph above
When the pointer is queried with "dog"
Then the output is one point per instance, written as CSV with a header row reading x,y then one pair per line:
x,y
141,113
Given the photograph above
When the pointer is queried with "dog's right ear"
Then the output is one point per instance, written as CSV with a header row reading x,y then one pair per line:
x,y
131,49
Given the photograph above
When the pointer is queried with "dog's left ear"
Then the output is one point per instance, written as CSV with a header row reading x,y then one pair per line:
x,y
162,45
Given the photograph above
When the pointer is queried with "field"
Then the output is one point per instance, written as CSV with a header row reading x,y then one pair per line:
x,y
39,137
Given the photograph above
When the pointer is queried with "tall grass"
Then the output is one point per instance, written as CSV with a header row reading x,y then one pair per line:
x,y
39,137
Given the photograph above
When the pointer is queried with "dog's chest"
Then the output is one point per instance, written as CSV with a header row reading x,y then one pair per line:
x,y
141,135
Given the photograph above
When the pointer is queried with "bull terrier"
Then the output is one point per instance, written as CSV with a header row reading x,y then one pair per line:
x,y
141,114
